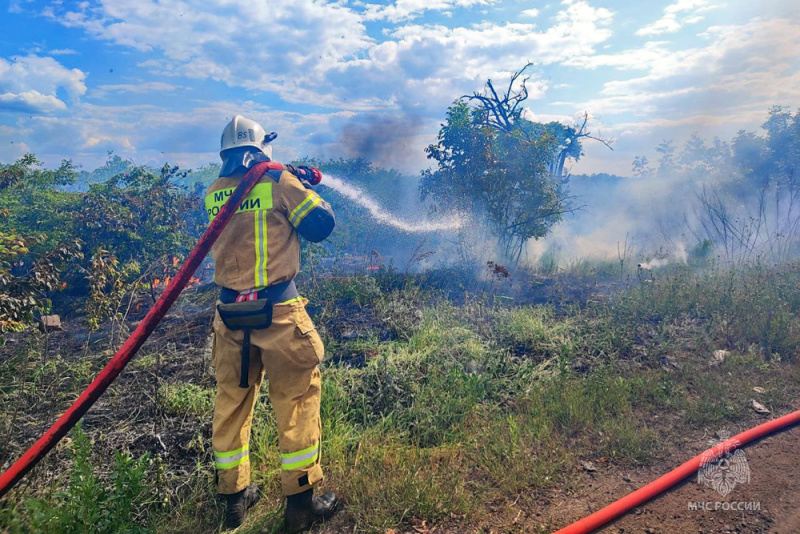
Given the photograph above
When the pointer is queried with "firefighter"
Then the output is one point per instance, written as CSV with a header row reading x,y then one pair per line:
x,y
255,261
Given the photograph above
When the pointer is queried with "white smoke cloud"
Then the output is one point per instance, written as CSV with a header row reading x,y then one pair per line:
x,y
645,220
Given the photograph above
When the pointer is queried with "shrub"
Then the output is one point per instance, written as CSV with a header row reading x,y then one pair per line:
x,y
88,503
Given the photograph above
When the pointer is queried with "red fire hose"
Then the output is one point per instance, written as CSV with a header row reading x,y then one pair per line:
x,y
115,366
660,485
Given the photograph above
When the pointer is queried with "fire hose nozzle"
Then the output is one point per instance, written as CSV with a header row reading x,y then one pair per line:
x,y
312,175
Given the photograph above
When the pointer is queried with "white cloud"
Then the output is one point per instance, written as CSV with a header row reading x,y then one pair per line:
x,y
30,102
15,6
259,46
640,103
330,60
642,58
755,63
676,16
424,67
732,50
63,52
532,13
529,114
139,88
409,9
30,83
701,122
43,74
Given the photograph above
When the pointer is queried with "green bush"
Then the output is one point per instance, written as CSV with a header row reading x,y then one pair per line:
x,y
88,503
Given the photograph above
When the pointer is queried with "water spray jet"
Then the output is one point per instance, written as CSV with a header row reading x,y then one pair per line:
x,y
381,215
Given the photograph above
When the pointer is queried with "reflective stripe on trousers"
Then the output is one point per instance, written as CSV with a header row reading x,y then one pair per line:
x,y
231,459
300,459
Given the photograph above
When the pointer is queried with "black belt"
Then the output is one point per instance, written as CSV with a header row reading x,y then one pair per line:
x,y
277,293
252,313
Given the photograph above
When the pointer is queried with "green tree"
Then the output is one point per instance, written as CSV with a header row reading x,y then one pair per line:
x,y
34,203
25,174
26,284
749,209
499,167
139,215
35,246
113,166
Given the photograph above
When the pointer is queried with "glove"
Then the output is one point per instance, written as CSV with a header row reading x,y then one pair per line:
x,y
308,176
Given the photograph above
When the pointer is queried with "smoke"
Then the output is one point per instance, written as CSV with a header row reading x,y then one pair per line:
x,y
378,137
725,200
383,216
388,140
734,201
679,255
647,220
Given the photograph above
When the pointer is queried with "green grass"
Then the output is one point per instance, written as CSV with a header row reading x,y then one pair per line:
x,y
474,403
389,483
188,399
88,503
534,332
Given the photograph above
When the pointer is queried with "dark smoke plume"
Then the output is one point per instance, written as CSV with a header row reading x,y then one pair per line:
x,y
386,140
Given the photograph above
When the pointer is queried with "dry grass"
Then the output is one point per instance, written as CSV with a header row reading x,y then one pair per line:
x,y
440,409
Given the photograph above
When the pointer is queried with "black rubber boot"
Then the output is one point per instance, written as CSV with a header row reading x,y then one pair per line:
x,y
304,509
237,505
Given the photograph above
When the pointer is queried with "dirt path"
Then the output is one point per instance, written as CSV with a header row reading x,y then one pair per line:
x,y
770,502
774,490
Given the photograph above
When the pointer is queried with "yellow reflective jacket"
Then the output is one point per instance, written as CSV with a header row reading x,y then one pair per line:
x,y
259,247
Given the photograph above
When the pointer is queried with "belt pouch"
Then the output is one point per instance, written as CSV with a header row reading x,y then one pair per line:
x,y
247,315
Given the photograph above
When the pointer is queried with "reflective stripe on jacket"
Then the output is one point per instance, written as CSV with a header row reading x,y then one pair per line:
x,y
259,247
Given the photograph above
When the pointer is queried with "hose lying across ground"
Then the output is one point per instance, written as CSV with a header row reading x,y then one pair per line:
x,y
115,366
662,484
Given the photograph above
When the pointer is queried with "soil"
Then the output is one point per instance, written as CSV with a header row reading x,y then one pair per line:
x,y
773,489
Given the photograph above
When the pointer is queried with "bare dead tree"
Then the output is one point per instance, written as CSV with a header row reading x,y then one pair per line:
x,y
503,113
504,110
740,234
718,223
573,135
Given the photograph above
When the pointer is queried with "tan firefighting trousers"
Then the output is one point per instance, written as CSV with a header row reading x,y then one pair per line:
x,y
290,351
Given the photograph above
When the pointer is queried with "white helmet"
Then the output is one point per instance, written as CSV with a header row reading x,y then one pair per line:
x,y
241,132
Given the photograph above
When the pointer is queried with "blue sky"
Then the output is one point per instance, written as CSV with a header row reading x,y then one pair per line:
x,y
157,80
